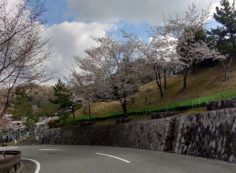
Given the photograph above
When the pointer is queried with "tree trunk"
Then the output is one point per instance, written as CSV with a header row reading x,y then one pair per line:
x,y
165,82
193,68
124,104
185,79
146,103
160,90
158,81
73,111
10,94
3,112
226,66
9,98
84,110
226,74
89,111
124,109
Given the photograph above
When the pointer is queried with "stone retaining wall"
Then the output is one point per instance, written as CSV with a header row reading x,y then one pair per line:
x,y
221,104
210,135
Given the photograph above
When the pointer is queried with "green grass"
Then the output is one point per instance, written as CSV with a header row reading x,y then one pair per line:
x,y
144,111
189,103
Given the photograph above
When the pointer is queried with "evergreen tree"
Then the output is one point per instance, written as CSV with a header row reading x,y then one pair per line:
x,y
62,96
22,106
224,36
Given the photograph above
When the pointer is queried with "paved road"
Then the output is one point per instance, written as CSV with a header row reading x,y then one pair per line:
x,y
94,159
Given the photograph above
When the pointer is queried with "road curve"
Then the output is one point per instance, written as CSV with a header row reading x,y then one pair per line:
x,y
95,159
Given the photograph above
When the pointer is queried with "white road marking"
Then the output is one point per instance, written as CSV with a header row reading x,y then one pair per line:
x,y
48,149
108,155
35,162
8,148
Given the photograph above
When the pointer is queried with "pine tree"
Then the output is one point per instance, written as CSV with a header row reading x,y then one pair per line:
x,y
22,106
224,35
62,96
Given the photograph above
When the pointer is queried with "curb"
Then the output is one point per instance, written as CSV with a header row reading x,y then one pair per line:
x,y
21,168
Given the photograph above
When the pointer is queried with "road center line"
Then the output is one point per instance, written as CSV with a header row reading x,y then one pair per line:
x,y
111,156
35,162
48,149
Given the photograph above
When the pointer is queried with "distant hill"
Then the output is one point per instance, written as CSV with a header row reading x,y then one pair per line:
x,y
37,95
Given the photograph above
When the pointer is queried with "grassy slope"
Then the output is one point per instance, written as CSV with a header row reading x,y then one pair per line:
x,y
204,82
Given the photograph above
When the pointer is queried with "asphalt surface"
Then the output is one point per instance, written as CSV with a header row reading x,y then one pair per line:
x,y
26,167
94,159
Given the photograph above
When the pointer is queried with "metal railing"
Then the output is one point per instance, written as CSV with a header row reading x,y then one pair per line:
x,y
10,160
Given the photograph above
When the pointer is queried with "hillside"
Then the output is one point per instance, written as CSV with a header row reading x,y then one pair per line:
x,y
204,82
36,95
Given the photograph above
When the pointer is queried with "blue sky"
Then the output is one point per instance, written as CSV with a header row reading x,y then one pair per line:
x,y
71,23
59,11
56,12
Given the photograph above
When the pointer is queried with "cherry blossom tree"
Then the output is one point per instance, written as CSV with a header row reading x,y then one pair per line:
x,y
23,51
159,52
110,69
187,30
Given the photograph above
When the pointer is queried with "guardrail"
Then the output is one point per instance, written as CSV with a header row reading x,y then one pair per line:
x,y
10,160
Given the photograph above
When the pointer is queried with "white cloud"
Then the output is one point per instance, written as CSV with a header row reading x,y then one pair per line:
x,y
70,39
151,11
217,4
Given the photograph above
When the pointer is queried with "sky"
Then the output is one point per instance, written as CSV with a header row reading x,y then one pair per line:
x,y
70,24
